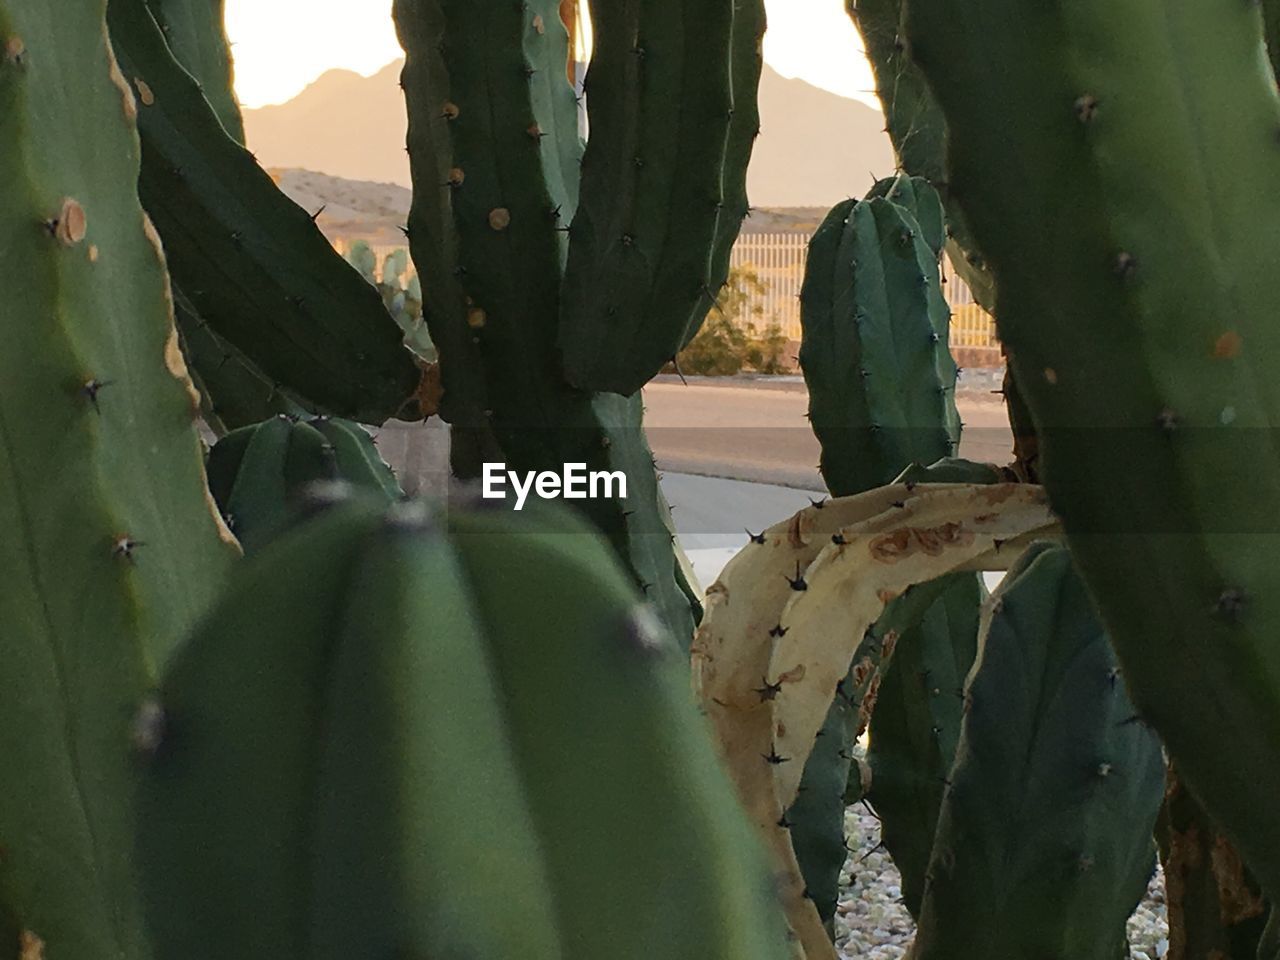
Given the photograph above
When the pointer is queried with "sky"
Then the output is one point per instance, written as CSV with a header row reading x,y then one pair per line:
x,y
282,45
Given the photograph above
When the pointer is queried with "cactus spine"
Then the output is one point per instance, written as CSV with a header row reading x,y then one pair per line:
x,y
432,681
1160,138
312,326
1044,844
111,549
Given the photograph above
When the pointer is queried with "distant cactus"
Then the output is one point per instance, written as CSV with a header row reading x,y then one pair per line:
x,y
259,474
401,293
876,340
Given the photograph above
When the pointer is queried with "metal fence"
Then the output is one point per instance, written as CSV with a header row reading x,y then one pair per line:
x,y
777,260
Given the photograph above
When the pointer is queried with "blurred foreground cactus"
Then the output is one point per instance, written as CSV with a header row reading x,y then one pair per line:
x,y
464,706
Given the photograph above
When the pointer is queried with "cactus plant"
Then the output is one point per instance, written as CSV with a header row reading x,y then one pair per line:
x,y
458,704
233,392
766,671
1044,846
258,473
876,358
875,348
111,548
401,294
663,191
495,150
252,263
1158,136
916,725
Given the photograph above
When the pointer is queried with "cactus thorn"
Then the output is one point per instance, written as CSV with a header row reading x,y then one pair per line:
x,y
818,504
148,727
1167,420
798,583
755,537
769,691
778,632
1231,604
124,547
316,216
90,389
838,539
772,757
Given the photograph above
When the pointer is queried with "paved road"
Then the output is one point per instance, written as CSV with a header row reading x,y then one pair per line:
x,y
760,433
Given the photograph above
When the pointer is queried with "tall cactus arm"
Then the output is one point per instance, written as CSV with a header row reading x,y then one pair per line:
x,y
433,237
661,100
110,545
1133,236
916,126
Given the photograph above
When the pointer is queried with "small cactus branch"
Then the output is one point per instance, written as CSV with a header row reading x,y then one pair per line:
x,y
252,262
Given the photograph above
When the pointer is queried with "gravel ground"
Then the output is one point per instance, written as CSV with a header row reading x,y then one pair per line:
x,y
872,924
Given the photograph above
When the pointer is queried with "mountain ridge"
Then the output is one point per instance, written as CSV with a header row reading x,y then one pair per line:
x,y
353,127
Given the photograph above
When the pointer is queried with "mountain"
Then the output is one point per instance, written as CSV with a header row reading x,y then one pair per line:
x,y
815,147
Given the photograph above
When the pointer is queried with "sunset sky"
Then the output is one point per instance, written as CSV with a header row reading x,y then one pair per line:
x,y
282,45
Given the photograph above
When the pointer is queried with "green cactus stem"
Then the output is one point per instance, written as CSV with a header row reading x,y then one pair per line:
x,y
875,348
253,263
1043,847
458,704
663,189
916,725
111,549
1136,212
196,33
503,130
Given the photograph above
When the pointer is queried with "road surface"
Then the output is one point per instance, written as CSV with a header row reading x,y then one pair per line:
x,y
759,432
